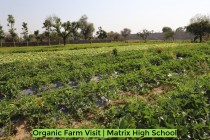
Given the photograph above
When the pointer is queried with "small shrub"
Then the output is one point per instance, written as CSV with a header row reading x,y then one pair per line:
x,y
156,61
183,54
115,52
159,50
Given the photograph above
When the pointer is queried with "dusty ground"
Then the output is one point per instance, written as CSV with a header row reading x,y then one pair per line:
x,y
21,129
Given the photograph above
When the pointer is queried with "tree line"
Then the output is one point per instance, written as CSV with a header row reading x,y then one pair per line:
x,y
57,30
199,26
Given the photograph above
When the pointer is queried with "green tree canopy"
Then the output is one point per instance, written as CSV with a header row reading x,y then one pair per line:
x,y
101,33
2,35
144,34
113,35
125,33
86,28
48,24
74,30
168,32
11,23
199,26
180,30
65,29
166,29
37,36
25,32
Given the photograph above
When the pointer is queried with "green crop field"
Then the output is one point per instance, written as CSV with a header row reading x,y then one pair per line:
x,y
108,85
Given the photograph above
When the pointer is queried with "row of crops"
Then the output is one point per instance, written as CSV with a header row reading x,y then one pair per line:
x,y
138,86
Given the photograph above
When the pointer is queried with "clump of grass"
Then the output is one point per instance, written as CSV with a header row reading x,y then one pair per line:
x,y
115,52
159,50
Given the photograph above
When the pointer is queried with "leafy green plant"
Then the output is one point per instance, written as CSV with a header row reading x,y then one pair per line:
x,y
115,52
139,89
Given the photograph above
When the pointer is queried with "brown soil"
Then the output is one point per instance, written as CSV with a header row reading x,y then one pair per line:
x,y
162,89
126,94
22,133
119,102
78,124
151,93
158,90
61,124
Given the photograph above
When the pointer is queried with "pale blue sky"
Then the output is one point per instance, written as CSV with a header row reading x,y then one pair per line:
x,y
110,14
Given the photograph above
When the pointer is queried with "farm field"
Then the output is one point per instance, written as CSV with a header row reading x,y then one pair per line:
x,y
106,85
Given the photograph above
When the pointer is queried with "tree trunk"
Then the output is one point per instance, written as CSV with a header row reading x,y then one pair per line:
x,y
49,41
14,42
195,38
64,41
1,43
201,38
27,43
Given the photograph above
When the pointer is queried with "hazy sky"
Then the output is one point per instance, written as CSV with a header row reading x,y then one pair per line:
x,y
110,14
